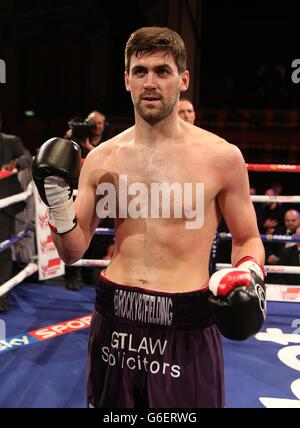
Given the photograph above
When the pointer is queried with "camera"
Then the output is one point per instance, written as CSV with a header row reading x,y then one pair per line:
x,y
81,129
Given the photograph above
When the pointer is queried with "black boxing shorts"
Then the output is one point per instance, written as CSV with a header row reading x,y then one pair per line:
x,y
153,350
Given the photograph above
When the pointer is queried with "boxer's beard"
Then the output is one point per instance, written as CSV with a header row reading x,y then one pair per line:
x,y
156,115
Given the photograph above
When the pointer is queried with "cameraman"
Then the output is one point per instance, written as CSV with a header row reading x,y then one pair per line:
x,y
97,133
81,132
88,135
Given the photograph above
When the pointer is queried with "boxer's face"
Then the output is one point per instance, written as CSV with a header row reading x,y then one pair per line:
x,y
155,85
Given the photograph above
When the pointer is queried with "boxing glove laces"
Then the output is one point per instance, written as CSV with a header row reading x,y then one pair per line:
x,y
55,170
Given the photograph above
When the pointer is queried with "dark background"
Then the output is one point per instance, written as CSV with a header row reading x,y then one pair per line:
x,y
239,39
67,57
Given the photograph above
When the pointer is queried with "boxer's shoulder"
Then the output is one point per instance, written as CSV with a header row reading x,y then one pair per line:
x,y
225,152
213,147
103,160
200,136
214,142
111,146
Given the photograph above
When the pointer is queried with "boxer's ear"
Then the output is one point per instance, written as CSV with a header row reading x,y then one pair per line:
x,y
126,79
185,81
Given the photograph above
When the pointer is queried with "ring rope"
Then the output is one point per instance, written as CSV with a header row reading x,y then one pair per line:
x,y
20,197
6,174
282,199
92,263
16,280
13,240
269,269
265,238
105,231
273,168
264,198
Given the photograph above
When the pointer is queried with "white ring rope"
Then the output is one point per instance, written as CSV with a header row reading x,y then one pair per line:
x,y
282,199
16,280
92,263
269,269
254,198
20,197
263,198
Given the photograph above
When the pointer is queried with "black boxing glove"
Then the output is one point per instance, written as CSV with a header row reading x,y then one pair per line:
x,y
55,169
238,302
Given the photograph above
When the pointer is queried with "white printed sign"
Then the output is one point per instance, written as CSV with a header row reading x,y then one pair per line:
x,y
50,264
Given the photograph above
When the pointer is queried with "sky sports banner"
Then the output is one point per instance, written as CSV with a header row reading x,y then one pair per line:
x,y
50,264
44,333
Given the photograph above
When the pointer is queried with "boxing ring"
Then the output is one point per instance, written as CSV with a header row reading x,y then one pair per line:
x,y
45,342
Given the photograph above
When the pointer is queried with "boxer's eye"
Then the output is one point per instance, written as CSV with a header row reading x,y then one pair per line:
x,y
163,71
139,71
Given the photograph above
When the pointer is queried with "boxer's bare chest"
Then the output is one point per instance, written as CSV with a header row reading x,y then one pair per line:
x,y
171,166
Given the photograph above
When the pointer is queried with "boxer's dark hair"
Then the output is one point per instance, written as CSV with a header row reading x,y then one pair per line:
x,y
156,39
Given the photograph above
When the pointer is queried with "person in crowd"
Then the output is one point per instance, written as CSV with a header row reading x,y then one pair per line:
x,y
13,157
97,134
290,256
186,111
291,223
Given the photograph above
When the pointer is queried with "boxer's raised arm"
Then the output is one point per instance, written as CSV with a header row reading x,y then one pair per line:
x,y
55,169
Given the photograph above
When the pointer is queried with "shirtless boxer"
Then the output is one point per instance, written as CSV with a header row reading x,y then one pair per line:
x,y
154,337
